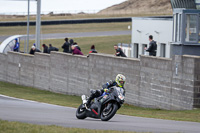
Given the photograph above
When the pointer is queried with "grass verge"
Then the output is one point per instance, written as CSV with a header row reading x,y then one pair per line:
x,y
74,101
65,28
18,127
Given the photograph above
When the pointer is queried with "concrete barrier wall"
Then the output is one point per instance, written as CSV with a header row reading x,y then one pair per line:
x,y
193,72
42,71
182,82
155,84
69,74
3,67
172,84
20,69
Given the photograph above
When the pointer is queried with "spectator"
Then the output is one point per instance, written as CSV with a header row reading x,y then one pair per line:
x,y
93,49
119,51
76,45
66,46
152,46
71,42
51,48
45,48
33,50
16,46
75,50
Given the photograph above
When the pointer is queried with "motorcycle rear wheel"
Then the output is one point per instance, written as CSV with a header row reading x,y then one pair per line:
x,y
105,116
80,113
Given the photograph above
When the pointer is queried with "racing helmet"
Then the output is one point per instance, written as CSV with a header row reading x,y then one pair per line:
x,y
120,80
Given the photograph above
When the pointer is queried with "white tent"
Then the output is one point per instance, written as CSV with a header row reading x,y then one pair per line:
x,y
8,43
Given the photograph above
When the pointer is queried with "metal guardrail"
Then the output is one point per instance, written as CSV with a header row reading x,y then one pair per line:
x,y
73,21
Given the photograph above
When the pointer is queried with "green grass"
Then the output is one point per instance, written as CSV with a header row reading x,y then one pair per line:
x,y
103,44
74,101
18,127
65,28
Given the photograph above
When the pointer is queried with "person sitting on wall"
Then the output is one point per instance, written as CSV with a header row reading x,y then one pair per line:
x,y
75,50
16,46
119,51
51,48
33,50
76,45
45,48
152,46
92,49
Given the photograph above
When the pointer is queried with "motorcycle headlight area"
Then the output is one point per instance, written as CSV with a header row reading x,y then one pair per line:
x,y
121,97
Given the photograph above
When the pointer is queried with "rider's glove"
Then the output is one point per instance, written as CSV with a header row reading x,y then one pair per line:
x,y
105,90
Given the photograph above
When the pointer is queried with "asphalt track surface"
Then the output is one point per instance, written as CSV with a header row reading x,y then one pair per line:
x,y
13,109
76,35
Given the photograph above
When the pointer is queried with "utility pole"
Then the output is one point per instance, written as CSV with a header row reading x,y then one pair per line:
x,y
28,19
38,23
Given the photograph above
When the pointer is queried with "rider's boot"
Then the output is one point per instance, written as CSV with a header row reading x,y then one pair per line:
x,y
92,96
94,93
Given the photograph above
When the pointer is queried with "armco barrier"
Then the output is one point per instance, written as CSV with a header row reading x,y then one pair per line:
x,y
73,21
155,82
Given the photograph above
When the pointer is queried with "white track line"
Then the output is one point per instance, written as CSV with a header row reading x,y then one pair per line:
x,y
32,101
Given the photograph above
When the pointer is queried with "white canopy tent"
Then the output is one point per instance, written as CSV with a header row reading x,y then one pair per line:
x,y
9,43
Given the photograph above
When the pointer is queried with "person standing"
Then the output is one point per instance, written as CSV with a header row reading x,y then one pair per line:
x,y
76,51
16,46
45,48
71,42
66,46
152,46
119,51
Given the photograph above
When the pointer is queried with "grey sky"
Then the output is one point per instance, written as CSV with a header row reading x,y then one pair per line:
x,y
9,6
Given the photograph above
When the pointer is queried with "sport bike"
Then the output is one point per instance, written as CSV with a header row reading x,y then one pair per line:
x,y
103,107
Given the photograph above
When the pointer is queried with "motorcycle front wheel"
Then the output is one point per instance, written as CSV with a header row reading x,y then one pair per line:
x,y
80,113
108,114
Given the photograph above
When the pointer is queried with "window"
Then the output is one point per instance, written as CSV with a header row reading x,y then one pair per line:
x,y
179,31
174,27
162,50
191,28
199,30
136,50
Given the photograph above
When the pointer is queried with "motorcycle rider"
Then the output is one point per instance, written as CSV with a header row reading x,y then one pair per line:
x,y
119,82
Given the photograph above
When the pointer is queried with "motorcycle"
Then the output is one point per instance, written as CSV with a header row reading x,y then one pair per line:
x,y
103,107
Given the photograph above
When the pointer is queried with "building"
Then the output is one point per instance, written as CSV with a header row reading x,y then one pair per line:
x,y
159,27
175,35
188,4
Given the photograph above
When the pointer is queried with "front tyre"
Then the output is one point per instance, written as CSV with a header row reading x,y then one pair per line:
x,y
80,113
108,114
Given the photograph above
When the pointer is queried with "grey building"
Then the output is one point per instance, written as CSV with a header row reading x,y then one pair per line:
x,y
188,4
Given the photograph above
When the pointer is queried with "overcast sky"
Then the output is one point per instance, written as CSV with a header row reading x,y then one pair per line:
x,y
12,6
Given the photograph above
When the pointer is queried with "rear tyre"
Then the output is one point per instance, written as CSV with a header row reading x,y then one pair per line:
x,y
80,113
108,114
